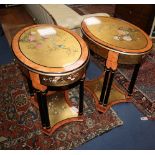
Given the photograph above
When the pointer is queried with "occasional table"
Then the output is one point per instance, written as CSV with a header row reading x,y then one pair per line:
x,y
118,42
52,57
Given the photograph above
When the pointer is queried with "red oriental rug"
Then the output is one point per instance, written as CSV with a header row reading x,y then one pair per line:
x,y
20,126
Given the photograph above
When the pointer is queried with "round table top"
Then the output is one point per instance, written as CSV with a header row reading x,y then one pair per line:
x,y
49,48
116,35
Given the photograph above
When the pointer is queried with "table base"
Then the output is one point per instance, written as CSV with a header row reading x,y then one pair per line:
x,y
116,95
60,111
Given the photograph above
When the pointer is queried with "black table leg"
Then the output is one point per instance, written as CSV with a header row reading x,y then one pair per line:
x,y
31,89
81,96
133,79
105,85
1,31
105,101
42,101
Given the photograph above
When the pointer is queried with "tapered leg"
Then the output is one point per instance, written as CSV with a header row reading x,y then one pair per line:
x,y
105,85
41,110
133,79
42,101
1,32
81,96
105,101
31,89
111,66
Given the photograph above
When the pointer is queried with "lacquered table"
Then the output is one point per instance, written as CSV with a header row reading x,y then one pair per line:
x,y
52,57
119,42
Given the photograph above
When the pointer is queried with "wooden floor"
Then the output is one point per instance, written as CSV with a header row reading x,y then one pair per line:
x,y
94,8
15,18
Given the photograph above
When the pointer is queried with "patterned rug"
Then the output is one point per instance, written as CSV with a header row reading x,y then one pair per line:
x,y
144,90
20,126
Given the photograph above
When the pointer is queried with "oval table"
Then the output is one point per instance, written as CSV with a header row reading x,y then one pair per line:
x,y
51,57
118,42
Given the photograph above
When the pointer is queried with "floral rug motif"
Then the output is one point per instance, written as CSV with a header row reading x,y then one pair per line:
x,y
20,126
144,90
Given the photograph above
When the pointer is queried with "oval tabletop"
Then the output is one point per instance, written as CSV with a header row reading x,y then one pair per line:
x,y
116,35
49,48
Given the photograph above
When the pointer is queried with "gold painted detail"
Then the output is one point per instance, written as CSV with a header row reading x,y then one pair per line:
x,y
117,33
126,34
103,53
96,86
55,49
61,80
59,109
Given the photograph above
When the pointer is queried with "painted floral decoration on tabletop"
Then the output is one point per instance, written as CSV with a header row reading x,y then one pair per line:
x,y
36,42
31,38
125,34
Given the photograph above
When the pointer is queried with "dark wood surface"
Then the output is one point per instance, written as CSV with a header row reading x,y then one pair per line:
x,y
93,8
141,15
13,19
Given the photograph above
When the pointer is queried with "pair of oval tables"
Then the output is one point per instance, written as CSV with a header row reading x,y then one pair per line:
x,y
53,58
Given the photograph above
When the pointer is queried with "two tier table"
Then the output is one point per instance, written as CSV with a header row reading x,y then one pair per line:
x,y
117,41
52,57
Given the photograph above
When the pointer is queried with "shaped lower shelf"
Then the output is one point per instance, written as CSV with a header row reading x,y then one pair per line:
x,y
116,94
60,111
